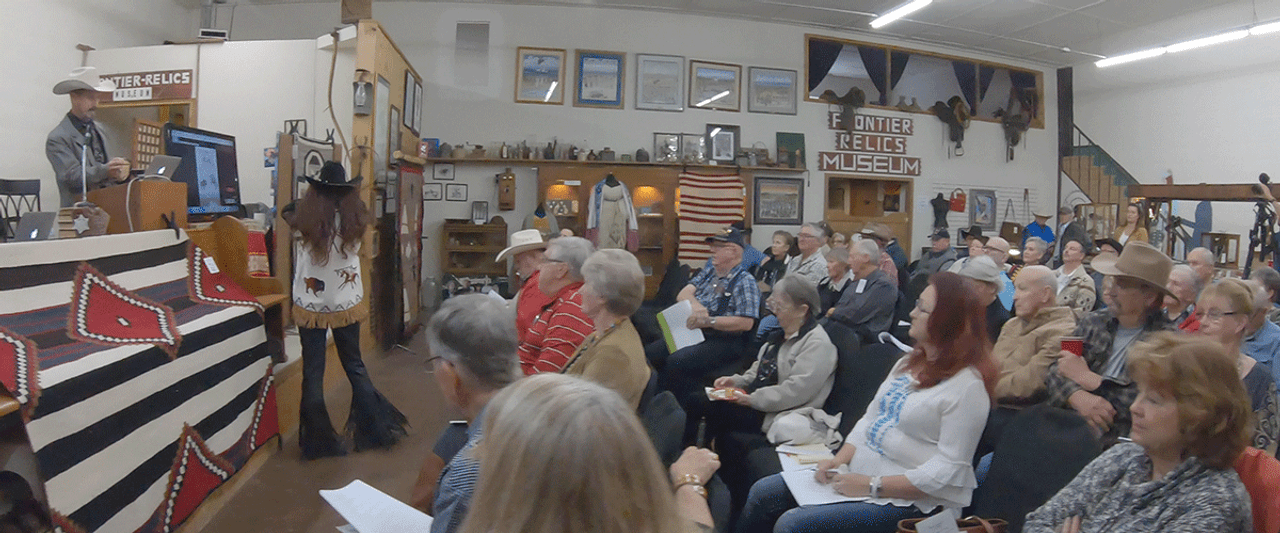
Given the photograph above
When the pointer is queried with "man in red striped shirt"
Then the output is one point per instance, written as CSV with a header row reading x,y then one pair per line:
x,y
561,326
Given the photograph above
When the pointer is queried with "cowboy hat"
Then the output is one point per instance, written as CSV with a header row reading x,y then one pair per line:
x,y
1109,241
334,176
1139,261
1040,213
877,230
84,78
974,232
522,241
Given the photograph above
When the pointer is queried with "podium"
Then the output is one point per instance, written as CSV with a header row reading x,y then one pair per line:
x,y
144,201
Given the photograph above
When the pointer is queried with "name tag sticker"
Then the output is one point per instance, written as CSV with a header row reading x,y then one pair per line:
x,y
862,285
210,264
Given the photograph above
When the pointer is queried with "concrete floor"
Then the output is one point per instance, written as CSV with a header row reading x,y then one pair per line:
x,y
283,496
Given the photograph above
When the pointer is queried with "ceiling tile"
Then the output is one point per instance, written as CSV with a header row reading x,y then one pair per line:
x,y
942,12
1068,29
1007,16
1012,47
1143,12
1070,5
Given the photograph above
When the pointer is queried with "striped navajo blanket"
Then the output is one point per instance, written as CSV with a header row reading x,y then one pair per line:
x,y
708,204
142,371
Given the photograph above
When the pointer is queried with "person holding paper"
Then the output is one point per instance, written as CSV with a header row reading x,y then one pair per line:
x,y
726,302
560,326
613,355
910,453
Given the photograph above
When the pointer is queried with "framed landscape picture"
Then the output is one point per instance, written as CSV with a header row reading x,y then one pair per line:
x,y
659,82
540,75
723,142
771,90
779,201
715,85
982,209
599,82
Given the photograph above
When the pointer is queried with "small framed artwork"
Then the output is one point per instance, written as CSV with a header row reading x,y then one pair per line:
x,y
540,75
982,209
417,108
479,212
455,192
722,142
693,147
659,82
442,172
771,90
432,192
715,85
666,147
408,99
779,201
600,76
393,136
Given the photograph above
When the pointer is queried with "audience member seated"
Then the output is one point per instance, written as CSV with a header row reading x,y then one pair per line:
x,y
998,250
910,453
473,356
879,233
1035,251
613,355
1201,261
561,326
975,244
1225,308
868,302
832,287
772,270
1190,423
1180,303
811,240
1075,288
1270,281
838,240
1098,385
896,252
751,257
1260,474
726,302
939,258
1028,344
526,251
1262,336
988,281
564,455
1108,249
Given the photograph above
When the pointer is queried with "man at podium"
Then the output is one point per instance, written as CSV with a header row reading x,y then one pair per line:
x,y
65,143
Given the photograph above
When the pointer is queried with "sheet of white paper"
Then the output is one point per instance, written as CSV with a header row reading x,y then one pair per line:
x,y
806,449
674,320
943,522
346,528
790,463
807,491
369,510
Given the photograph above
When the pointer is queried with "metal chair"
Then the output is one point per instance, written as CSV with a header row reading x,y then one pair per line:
x,y
16,197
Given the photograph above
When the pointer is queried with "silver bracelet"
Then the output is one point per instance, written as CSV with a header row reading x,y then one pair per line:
x,y
875,487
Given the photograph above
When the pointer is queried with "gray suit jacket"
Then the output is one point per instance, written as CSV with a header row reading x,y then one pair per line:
x,y
63,150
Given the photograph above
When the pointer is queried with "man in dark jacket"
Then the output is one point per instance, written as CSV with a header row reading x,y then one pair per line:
x,y
1069,229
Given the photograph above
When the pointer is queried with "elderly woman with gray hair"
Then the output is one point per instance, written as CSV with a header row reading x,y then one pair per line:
x,y
562,326
613,355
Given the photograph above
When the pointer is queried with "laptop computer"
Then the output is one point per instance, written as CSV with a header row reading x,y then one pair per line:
x,y
36,226
162,167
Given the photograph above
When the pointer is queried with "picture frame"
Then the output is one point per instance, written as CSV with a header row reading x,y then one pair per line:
x,y
417,108
771,90
723,142
779,201
715,85
693,147
442,172
599,79
659,82
666,147
479,212
455,192
432,192
407,106
540,75
393,136
982,209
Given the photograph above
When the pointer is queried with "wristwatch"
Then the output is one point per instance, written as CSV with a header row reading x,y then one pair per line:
x,y
874,491
711,322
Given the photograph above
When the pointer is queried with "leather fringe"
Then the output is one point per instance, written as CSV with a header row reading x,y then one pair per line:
x,y
310,319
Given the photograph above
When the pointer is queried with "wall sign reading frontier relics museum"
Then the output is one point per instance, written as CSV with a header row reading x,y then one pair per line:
x,y
878,145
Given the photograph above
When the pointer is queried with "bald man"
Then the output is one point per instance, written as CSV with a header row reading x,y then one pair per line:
x,y
998,250
1201,261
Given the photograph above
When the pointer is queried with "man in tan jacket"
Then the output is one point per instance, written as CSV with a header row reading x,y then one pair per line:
x,y
1028,344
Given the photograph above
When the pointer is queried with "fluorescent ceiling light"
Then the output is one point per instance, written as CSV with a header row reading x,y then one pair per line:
x,y
1208,41
712,99
550,90
1127,58
899,12
1265,29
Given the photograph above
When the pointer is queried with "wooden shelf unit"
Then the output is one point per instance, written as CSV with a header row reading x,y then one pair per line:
x,y
468,249
573,163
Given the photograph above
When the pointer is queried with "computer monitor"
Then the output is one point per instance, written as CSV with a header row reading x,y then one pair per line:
x,y
208,168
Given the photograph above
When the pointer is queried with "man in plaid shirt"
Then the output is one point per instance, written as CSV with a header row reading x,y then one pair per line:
x,y
1097,384
562,325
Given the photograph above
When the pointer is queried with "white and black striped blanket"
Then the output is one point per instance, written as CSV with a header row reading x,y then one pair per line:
x,y
142,371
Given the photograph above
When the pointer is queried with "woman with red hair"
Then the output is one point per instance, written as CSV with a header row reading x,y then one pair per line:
x,y
911,453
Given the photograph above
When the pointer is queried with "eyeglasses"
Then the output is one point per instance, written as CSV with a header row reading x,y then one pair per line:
x,y
806,236
1215,315
774,304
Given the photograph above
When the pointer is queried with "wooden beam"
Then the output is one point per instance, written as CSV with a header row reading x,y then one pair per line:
x,y
1217,193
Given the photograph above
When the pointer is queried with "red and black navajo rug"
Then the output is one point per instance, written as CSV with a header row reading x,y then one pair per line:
x,y
708,204
143,375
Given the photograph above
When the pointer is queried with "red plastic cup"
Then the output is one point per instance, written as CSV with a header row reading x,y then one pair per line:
x,y
1074,345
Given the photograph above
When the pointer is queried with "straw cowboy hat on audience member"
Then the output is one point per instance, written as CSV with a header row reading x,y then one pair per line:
x,y
1140,261
522,241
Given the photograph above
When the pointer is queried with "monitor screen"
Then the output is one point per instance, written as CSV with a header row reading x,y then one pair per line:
x,y
208,168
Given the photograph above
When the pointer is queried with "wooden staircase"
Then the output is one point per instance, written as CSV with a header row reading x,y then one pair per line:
x,y
1096,173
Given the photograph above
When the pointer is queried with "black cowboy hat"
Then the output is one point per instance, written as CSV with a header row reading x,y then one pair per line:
x,y
973,231
332,175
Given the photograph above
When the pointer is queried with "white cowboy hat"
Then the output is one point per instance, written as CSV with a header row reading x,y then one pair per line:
x,y
84,78
1040,213
522,241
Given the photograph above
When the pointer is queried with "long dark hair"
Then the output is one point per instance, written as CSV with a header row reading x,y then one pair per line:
x,y
957,328
327,213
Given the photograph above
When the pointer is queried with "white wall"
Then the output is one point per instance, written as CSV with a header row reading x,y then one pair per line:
x,y
38,48
1217,129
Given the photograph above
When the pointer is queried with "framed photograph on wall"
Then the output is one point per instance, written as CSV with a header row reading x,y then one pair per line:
x,y
479,212
455,192
722,142
666,147
432,191
600,77
693,147
408,107
417,108
982,209
659,82
393,136
540,75
442,172
771,90
715,85
779,201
